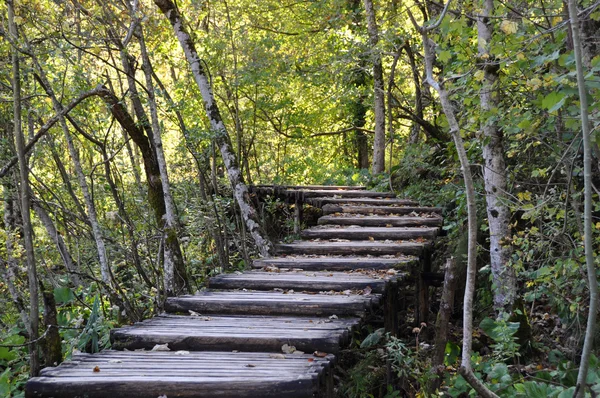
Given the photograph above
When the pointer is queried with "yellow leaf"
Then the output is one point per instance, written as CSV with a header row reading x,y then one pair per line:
x,y
18,20
509,27
479,75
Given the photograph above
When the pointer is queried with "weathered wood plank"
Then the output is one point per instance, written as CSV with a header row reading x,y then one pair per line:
x,y
271,303
309,187
112,373
382,210
194,333
316,263
321,201
300,281
381,221
366,233
352,247
343,194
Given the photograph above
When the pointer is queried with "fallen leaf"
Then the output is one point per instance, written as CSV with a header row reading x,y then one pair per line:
x,y
333,316
287,349
250,365
182,353
96,369
277,356
320,354
161,347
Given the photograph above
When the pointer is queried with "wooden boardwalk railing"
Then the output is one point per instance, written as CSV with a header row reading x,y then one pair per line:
x,y
273,331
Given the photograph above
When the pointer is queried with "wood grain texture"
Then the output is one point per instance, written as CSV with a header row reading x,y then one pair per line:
x,y
367,233
381,221
351,247
341,263
300,281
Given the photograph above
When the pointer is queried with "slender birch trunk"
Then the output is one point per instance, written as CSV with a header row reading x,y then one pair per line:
x,y
222,138
379,90
34,364
175,275
58,240
466,369
494,171
587,211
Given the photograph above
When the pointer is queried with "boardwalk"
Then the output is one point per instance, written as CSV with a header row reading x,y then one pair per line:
x,y
272,331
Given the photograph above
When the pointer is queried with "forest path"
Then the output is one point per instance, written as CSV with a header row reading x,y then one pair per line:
x,y
272,331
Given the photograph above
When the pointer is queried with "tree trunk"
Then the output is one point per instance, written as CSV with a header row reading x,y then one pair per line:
x,y
68,261
441,324
52,342
175,275
466,369
222,139
379,91
588,205
494,171
34,365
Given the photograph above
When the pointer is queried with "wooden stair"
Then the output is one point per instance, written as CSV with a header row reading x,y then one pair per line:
x,y
272,331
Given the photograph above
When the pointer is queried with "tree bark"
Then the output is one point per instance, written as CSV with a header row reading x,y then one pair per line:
x,y
52,341
588,206
466,369
222,138
379,91
441,324
175,275
34,365
494,171
68,261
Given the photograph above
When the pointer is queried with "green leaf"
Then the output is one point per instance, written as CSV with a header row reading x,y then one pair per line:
x,y
554,101
372,339
445,56
63,295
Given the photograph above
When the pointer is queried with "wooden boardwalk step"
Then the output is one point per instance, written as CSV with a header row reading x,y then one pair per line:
x,y
331,263
367,233
321,201
352,247
272,303
383,210
308,187
139,374
344,194
303,281
381,221
241,333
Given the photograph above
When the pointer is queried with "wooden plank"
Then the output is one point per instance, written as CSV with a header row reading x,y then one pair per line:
x,y
300,281
343,194
271,303
155,373
383,210
192,333
152,387
352,247
341,263
321,201
367,233
381,221
310,187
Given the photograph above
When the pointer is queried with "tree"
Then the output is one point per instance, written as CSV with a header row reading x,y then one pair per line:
x,y
466,369
219,130
34,365
587,213
494,170
378,92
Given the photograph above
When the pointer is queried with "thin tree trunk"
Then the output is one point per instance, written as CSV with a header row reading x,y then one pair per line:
x,y
52,341
34,365
10,269
466,369
441,324
68,261
83,185
175,275
379,90
222,138
587,211
494,171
